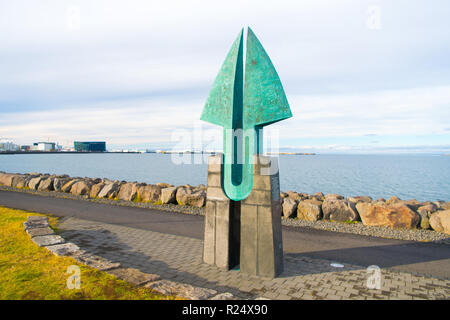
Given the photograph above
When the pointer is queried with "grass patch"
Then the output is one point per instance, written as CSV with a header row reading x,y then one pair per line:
x,y
345,222
351,222
33,273
137,198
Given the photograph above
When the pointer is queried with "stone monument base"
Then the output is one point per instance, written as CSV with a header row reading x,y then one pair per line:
x,y
245,233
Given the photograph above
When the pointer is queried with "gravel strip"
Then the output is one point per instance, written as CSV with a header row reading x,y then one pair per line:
x,y
354,228
381,232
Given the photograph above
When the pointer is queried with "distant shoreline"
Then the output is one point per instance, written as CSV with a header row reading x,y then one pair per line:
x,y
60,152
165,152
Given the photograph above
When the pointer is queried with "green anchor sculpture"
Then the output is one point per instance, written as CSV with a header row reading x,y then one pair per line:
x,y
243,108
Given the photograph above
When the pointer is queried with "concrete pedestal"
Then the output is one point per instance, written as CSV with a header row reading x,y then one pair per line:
x,y
221,244
261,238
247,232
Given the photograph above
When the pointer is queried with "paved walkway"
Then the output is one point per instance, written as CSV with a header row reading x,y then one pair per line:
x,y
179,258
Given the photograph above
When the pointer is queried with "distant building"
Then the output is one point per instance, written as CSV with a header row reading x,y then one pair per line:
x,y
97,146
44,146
7,145
25,148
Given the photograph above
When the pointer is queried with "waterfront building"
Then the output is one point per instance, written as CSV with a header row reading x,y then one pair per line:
x,y
8,145
44,146
90,146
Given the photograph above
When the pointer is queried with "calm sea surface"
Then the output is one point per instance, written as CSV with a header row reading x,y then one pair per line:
x,y
423,177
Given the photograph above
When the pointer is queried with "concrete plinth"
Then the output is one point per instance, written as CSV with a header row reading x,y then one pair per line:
x,y
261,251
222,222
247,232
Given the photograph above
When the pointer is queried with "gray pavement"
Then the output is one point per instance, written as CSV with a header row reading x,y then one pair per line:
x,y
178,258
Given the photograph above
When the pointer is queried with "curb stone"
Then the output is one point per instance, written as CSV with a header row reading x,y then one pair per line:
x,y
133,276
65,249
181,290
44,241
97,262
57,245
44,231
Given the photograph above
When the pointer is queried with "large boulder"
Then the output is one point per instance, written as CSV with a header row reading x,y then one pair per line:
x,y
289,207
6,179
19,181
440,221
339,210
109,191
413,203
201,186
95,189
334,196
169,195
164,185
95,180
445,205
427,209
318,196
295,195
68,185
394,216
393,199
359,199
127,192
150,193
34,182
424,220
46,184
310,210
59,182
186,196
81,188
425,212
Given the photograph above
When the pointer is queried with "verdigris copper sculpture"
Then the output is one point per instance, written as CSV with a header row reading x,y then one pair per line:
x,y
243,210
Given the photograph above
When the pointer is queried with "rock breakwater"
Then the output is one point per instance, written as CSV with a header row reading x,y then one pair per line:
x,y
393,213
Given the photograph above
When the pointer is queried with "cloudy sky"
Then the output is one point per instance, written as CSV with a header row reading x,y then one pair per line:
x,y
360,76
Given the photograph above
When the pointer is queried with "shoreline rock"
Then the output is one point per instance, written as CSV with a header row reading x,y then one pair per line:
x,y
310,210
395,215
440,221
339,210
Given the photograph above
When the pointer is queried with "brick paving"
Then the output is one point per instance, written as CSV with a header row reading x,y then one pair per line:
x,y
179,259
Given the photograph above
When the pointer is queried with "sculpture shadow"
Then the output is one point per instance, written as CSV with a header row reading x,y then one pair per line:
x,y
429,259
104,243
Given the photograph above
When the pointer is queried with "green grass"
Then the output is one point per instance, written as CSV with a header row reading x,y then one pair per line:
x,y
31,272
346,221
350,222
